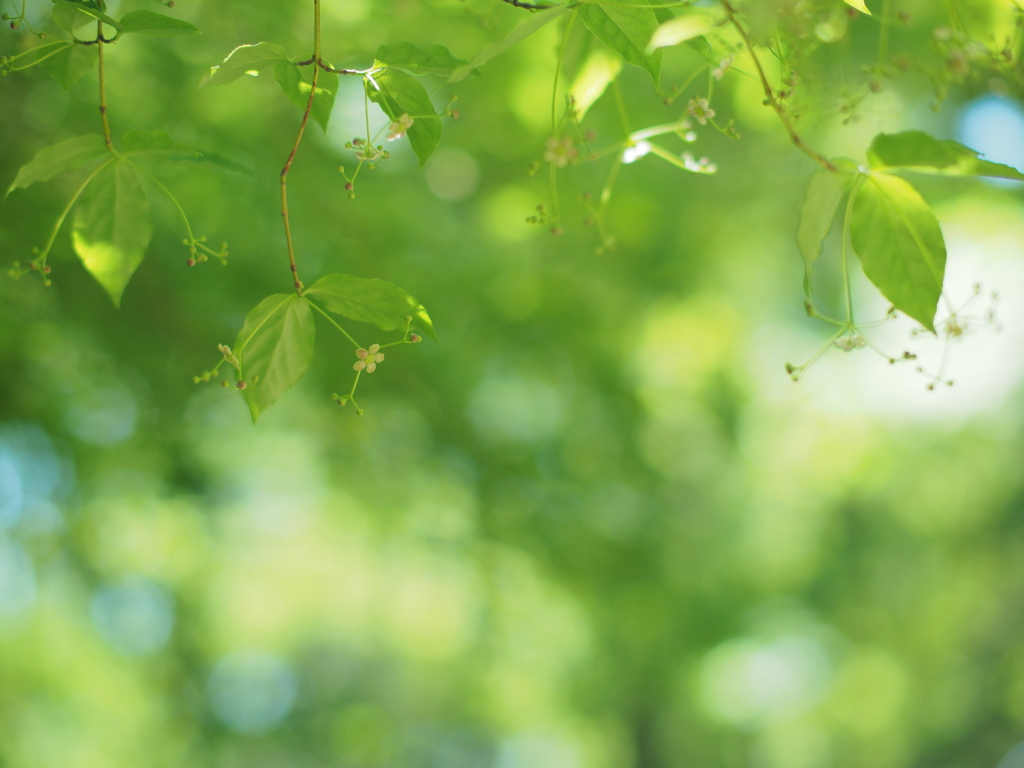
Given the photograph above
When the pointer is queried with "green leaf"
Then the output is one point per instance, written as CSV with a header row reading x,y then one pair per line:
x,y
817,212
68,65
435,60
371,301
69,17
89,8
274,347
400,94
159,147
859,5
58,158
245,60
112,227
627,31
918,151
900,245
521,31
596,74
681,28
297,82
155,25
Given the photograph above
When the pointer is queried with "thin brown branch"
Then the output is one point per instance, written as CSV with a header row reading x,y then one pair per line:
x,y
770,96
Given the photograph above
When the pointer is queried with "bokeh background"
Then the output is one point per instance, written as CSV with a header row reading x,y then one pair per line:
x,y
596,526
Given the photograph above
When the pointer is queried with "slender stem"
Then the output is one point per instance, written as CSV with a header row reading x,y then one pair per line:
x,y
103,86
333,322
558,71
846,239
295,148
780,110
170,196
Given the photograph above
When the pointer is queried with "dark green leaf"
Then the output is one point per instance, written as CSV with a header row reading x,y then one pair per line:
x,y
918,151
112,227
817,212
627,31
400,94
58,158
297,82
435,60
155,25
68,65
274,348
521,31
158,146
245,60
371,301
900,245
91,9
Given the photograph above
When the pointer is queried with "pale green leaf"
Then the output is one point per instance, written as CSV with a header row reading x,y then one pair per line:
x,y
682,28
89,8
245,60
859,5
900,245
597,73
917,151
433,60
69,17
68,65
626,30
274,348
58,158
112,227
817,211
297,83
400,94
521,31
155,25
370,301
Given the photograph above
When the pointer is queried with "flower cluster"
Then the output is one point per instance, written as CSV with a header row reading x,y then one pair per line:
x,y
703,165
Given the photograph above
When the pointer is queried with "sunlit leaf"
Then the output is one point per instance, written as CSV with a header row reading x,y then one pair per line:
x,y
682,28
399,94
433,60
112,227
817,211
370,301
155,25
297,82
917,151
900,245
597,73
859,5
245,60
58,158
274,348
521,31
627,31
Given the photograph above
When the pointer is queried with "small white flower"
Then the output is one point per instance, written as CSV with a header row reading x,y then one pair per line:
x,y
560,151
635,152
399,127
368,358
699,110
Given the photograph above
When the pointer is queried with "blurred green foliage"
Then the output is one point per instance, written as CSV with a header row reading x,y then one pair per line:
x,y
596,526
